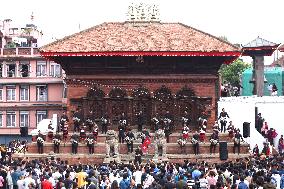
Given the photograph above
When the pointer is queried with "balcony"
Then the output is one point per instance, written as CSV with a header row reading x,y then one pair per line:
x,y
19,51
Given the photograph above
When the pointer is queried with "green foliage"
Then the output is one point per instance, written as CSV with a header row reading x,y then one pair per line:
x,y
232,73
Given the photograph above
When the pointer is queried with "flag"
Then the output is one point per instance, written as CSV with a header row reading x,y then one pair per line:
x,y
144,148
147,141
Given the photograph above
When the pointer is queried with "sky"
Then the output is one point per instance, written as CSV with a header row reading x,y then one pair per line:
x,y
240,21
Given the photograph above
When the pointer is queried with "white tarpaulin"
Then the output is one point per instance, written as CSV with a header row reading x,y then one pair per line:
x,y
42,126
242,109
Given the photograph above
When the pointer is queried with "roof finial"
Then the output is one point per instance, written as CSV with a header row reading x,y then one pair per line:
x,y
143,12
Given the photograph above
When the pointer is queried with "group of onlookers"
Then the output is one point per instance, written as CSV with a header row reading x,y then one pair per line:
x,y
258,172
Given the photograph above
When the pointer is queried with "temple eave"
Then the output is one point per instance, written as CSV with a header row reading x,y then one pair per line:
x,y
144,53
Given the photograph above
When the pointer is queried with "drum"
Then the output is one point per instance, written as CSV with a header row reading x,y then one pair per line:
x,y
50,134
202,137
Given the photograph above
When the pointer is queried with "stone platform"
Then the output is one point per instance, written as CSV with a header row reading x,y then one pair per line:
x,y
174,153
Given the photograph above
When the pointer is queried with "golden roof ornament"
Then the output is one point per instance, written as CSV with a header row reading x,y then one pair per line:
x,y
143,13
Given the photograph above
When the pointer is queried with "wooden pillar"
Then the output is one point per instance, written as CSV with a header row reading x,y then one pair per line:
x,y
85,108
258,66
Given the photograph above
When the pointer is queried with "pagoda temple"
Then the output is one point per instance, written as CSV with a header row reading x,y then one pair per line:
x,y
142,66
154,67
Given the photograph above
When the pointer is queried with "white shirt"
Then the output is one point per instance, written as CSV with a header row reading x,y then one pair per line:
x,y
27,181
137,175
51,179
20,184
277,177
56,175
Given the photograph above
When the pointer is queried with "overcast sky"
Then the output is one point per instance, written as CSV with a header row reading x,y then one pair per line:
x,y
239,20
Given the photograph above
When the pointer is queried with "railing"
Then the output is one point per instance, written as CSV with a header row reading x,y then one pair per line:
x,y
19,51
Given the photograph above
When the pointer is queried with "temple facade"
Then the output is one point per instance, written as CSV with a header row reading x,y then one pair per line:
x,y
152,67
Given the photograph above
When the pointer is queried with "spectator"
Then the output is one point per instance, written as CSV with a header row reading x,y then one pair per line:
x,y
124,183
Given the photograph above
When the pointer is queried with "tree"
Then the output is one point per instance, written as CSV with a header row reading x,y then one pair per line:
x,y
232,73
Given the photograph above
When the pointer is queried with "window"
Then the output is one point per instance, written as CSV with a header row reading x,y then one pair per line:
x,y
24,70
40,115
24,119
55,70
11,119
1,68
41,92
24,93
1,119
11,93
1,93
41,68
11,70
64,90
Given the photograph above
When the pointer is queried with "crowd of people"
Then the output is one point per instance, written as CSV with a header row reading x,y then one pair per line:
x,y
255,172
14,146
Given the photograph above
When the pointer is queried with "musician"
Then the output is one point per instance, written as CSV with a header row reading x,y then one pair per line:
x,y
145,133
185,132
105,122
231,129
182,142
3,150
23,147
168,120
83,133
259,122
90,121
214,139
123,119
140,120
255,150
63,120
121,132
9,152
216,127
202,135
90,144
168,115
237,141
77,119
195,141
138,155
65,131
40,141
167,131
223,119
185,119
156,122
95,131
129,141
74,141
56,143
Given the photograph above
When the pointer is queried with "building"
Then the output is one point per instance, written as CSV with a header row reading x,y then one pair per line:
x,y
31,87
141,65
152,67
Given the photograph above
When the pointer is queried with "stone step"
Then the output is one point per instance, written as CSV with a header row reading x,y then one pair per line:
x,y
99,158
100,148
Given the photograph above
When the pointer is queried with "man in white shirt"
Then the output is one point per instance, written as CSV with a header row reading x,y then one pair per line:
x,y
21,182
277,178
137,176
29,180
